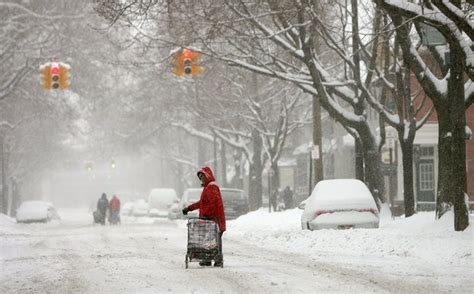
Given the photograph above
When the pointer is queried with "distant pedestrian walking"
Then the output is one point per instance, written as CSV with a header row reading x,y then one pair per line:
x,y
102,206
274,199
288,198
114,210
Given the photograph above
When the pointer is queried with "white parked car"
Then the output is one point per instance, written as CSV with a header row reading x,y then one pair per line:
x,y
190,196
340,204
36,211
236,202
127,208
140,208
160,201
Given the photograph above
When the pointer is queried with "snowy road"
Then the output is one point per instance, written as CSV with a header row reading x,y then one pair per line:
x,y
73,256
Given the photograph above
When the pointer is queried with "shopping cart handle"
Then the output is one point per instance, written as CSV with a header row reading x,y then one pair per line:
x,y
199,218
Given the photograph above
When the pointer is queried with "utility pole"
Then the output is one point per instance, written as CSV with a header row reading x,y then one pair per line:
x,y
4,201
359,108
215,166
317,150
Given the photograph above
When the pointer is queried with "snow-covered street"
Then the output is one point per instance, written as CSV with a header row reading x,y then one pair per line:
x,y
147,255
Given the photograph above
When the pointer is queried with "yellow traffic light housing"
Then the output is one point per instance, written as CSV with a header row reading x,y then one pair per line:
x,y
46,76
187,63
64,77
55,76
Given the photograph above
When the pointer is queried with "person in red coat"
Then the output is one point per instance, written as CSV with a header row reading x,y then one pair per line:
x,y
210,205
114,208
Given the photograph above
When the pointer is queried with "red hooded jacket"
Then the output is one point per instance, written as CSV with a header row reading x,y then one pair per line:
x,y
114,204
210,204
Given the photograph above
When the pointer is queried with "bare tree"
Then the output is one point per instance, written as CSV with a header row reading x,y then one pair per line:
x,y
451,94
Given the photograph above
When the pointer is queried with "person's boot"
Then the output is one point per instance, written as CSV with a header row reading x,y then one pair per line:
x,y
205,263
218,263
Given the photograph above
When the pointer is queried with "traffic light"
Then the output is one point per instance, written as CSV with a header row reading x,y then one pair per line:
x,y
55,76
55,71
46,76
64,76
187,63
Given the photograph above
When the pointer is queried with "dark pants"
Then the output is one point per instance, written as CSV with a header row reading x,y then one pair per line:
x,y
103,215
220,247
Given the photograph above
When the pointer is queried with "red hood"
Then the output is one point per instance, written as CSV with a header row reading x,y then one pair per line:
x,y
209,175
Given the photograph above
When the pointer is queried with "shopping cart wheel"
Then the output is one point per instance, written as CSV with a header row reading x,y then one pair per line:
x,y
186,260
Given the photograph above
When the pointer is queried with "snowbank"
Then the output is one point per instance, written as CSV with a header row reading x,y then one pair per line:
x,y
7,225
420,237
5,220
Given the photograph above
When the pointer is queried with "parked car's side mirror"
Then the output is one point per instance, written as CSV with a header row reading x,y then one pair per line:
x,y
302,205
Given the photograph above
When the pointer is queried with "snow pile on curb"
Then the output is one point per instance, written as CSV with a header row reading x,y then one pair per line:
x,y
419,236
5,220
7,224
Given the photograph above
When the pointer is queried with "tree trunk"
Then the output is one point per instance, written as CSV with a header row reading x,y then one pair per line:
x,y
373,171
275,177
200,153
223,164
15,197
3,162
407,160
215,166
359,160
445,186
255,173
237,181
458,123
359,108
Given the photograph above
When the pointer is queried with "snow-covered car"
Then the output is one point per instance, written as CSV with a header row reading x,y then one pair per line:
x,y
175,212
340,204
127,208
190,196
302,204
140,208
236,202
36,211
160,201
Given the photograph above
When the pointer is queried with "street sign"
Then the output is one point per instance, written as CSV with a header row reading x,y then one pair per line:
x,y
315,152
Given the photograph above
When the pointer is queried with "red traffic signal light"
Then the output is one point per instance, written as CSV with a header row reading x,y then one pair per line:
x,y
55,71
55,76
187,63
187,54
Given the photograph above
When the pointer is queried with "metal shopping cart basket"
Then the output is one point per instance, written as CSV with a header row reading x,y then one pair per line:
x,y
203,241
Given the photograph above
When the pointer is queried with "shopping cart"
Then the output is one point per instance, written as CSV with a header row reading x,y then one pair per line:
x,y
203,241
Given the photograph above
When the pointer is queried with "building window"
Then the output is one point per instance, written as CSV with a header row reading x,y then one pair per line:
x,y
426,176
427,152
